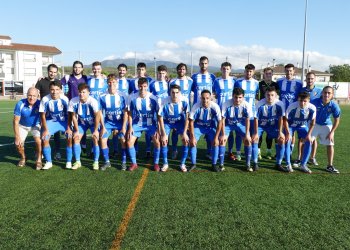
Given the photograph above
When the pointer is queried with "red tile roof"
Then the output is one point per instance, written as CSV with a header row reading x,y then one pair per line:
x,y
31,47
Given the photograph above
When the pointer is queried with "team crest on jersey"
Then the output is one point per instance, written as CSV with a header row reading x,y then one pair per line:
x,y
329,110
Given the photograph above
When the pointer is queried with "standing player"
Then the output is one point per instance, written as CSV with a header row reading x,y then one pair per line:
x,y
324,128
54,118
205,119
269,118
174,113
25,120
71,82
123,82
85,114
159,87
267,82
300,117
251,90
113,107
236,114
185,84
142,112
97,84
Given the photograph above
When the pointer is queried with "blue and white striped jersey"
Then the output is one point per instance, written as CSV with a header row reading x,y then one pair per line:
x,y
223,89
159,89
133,84
205,117
174,113
123,85
143,110
200,83
236,114
268,115
314,93
324,112
29,115
55,110
185,86
98,86
289,90
113,107
84,111
251,89
300,117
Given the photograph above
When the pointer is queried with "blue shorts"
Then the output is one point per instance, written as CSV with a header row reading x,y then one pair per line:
x,y
150,131
84,128
302,131
179,129
109,128
55,126
239,128
210,133
272,133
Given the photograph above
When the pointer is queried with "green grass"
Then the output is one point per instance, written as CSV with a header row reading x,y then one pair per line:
x,y
60,209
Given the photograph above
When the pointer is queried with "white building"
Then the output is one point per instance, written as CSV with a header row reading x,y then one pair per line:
x,y
22,64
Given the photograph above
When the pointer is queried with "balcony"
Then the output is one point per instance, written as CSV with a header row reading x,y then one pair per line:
x,y
2,61
2,75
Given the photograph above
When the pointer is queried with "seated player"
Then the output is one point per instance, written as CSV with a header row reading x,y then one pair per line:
x,y
300,118
205,119
26,119
269,118
236,114
54,118
114,111
85,113
174,113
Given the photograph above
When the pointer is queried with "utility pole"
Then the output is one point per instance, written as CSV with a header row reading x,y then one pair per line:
x,y
304,44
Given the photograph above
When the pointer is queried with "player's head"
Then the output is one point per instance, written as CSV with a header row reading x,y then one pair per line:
x,y
97,68
249,71
271,94
310,79
205,98
162,72
141,69
268,73
55,89
143,86
226,68
181,69
52,71
112,81
303,99
237,96
203,64
289,70
175,93
32,95
78,68
122,70
327,94
84,91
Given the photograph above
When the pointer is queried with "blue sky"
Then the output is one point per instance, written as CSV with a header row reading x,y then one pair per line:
x,y
171,30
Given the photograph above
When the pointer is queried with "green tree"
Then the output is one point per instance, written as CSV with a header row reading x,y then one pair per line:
x,y
341,73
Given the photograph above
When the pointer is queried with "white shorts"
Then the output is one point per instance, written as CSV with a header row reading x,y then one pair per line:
x,y
23,132
321,131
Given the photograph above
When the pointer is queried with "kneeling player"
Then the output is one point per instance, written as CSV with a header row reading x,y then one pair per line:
x,y
298,115
174,113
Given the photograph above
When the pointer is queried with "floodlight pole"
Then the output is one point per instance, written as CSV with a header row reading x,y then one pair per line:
x,y
304,44
155,68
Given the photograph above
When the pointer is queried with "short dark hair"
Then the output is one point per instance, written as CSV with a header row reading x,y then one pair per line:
x,y
141,65
238,91
203,58
289,65
180,65
327,87
52,65
174,86
225,64
304,95
55,83
205,91
122,65
142,80
78,62
310,73
111,77
83,86
162,68
271,89
267,69
97,63
249,67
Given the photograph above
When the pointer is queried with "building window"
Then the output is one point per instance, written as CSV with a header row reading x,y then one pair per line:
x,y
29,58
29,71
8,56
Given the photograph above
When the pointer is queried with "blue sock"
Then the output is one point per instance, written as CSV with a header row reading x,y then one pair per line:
x,y
47,153
174,140
115,143
77,151
287,152
184,154
238,143
132,154
279,153
222,150
105,152
214,154
123,155
165,154
248,154
156,153
193,152
69,153
230,142
255,152
148,143
96,151
306,153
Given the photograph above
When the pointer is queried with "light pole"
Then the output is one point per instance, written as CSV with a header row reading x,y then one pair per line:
x,y
155,68
304,44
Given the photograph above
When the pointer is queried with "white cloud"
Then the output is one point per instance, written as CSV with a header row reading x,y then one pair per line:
x,y
111,57
167,45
